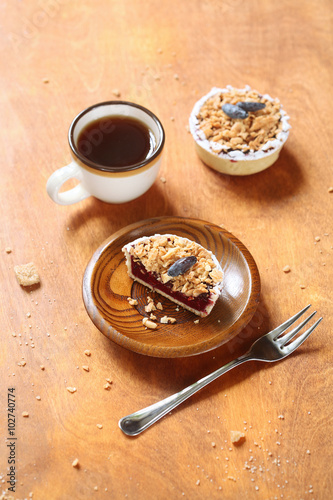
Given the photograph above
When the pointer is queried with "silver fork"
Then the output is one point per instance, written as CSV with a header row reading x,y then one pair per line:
x,y
271,347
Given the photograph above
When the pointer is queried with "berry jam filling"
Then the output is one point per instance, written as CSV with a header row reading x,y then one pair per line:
x,y
198,303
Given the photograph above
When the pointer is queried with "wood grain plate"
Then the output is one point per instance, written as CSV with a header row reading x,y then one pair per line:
x,y
107,286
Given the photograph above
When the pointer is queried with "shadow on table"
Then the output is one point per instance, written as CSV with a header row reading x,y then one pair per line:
x,y
112,217
172,375
282,180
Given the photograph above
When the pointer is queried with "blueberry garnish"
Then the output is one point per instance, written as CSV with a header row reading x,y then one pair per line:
x,y
234,111
181,266
251,106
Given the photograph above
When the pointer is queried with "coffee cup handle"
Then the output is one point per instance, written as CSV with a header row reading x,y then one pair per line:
x,y
58,178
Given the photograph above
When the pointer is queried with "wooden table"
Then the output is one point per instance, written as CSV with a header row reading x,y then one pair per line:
x,y
59,57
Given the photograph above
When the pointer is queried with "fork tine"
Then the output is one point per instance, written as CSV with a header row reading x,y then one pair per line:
x,y
285,338
280,329
297,342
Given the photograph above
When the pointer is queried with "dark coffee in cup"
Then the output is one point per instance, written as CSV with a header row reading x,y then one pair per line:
x,y
116,141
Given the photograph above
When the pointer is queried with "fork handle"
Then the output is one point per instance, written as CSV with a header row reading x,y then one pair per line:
x,y
139,421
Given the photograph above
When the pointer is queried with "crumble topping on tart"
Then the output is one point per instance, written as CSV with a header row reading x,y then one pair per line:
x,y
259,133
197,288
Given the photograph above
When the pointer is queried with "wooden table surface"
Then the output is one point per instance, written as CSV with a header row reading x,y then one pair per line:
x,y
58,57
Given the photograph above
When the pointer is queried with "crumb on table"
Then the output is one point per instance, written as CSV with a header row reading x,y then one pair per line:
x,y
71,389
237,437
27,274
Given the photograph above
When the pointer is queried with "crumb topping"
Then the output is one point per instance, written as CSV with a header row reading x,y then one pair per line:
x,y
159,252
246,134
261,133
149,324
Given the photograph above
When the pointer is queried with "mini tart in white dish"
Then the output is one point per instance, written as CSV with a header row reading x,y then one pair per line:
x,y
194,282
238,146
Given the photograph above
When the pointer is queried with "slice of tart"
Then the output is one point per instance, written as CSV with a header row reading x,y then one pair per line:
x,y
177,268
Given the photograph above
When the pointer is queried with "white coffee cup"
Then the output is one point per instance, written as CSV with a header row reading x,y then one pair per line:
x,y
110,184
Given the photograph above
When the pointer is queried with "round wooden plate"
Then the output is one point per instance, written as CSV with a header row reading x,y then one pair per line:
x,y
107,286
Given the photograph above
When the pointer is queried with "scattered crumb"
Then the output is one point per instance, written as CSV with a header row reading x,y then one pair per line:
x,y
281,417
38,397
109,380
302,286
167,319
159,306
25,414
132,302
196,321
176,77
317,238
152,316
232,478
27,274
213,444
198,482
42,367
150,307
116,92
149,324
237,437
71,389
75,463
8,250
85,368
330,189
107,386
163,179
46,80
87,352
21,363
100,426
286,269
